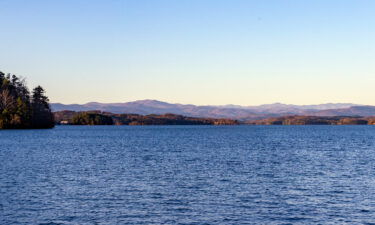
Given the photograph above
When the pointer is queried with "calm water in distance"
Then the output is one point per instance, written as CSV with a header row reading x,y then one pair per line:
x,y
188,175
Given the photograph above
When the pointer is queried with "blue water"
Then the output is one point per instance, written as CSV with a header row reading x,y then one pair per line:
x,y
188,175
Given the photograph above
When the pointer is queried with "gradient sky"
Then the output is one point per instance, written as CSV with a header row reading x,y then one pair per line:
x,y
193,51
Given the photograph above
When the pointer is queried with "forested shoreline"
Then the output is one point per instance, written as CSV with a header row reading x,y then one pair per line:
x,y
105,118
68,117
315,120
20,109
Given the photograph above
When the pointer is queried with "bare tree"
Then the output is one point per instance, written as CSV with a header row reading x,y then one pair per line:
x,y
7,101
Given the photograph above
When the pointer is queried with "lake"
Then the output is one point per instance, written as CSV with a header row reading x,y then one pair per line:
x,y
188,175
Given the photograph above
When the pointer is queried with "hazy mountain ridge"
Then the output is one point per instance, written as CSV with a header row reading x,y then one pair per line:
x,y
145,107
351,111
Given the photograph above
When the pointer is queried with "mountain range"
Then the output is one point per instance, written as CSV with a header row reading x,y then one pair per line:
x,y
145,107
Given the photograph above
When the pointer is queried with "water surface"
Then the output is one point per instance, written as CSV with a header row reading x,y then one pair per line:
x,y
188,175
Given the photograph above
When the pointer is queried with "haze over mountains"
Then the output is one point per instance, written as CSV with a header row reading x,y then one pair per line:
x,y
145,107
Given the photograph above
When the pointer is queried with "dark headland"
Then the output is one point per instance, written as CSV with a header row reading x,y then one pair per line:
x,y
20,109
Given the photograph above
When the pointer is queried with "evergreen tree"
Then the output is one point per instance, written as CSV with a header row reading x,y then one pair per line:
x,y
42,116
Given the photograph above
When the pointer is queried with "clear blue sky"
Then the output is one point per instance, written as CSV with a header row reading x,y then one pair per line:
x,y
193,51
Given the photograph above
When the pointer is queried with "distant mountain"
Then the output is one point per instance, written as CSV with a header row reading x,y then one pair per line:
x,y
145,107
351,111
279,108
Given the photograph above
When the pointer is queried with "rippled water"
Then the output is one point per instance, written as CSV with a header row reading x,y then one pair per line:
x,y
188,175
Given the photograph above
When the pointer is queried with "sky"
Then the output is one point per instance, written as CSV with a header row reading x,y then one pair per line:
x,y
204,52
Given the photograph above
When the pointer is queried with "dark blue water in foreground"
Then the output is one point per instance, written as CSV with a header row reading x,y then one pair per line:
x,y
188,175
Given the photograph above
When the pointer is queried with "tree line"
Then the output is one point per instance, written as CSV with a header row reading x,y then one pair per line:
x,y
86,118
315,120
106,118
20,109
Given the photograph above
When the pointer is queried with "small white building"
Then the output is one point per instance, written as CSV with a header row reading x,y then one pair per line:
x,y
64,122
